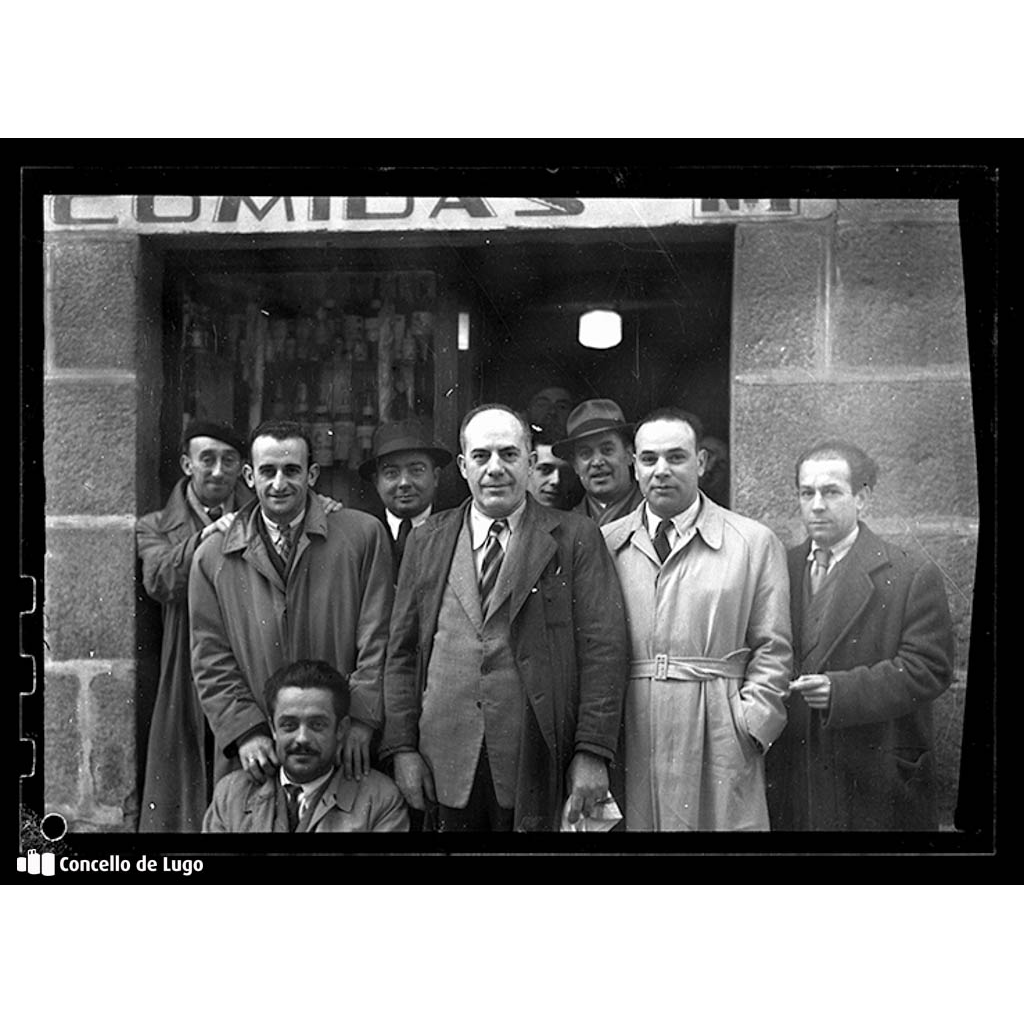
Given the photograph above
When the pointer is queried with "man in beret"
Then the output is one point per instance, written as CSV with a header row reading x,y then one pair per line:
x,y
405,467
600,447
177,781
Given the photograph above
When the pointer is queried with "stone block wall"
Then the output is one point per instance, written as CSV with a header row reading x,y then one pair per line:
x,y
99,333
855,327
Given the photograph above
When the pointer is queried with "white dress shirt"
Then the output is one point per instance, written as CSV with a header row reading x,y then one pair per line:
x,y
395,524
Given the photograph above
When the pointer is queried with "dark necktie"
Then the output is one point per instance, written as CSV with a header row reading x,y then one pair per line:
x,y
819,568
292,791
215,513
403,535
662,545
491,564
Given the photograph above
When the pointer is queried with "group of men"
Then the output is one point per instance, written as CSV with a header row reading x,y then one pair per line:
x,y
516,664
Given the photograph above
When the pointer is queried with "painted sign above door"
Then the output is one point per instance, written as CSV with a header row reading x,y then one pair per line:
x,y
172,214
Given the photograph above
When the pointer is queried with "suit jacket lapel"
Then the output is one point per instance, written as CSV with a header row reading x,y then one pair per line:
x,y
336,792
436,557
853,594
266,804
462,576
532,551
797,568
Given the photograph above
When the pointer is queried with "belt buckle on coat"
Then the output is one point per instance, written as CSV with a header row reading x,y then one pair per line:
x,y
661,666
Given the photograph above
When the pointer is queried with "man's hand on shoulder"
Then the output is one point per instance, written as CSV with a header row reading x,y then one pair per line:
x,y
588,784
329,504
413,778
258,757
219,525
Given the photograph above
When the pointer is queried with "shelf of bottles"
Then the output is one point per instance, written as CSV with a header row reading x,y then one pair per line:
x,y
339,353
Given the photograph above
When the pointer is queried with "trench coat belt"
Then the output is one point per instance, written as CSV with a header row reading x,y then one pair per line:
x,y
691,670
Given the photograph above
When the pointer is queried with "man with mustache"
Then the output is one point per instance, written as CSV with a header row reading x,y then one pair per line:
x,y
308,704
287,581
600,447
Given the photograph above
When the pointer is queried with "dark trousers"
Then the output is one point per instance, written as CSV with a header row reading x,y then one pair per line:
x,y
482,813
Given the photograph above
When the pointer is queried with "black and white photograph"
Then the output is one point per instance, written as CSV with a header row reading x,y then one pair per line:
x,y
478,522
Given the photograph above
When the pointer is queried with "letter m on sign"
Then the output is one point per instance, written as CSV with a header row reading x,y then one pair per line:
x,y
230,206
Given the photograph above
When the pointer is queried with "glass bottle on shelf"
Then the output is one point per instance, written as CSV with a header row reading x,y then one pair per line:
x,y
364,432
279,408
323,437
341,395
302,407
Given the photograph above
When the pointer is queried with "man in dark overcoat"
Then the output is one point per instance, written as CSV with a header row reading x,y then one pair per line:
x,y
873,647
507,657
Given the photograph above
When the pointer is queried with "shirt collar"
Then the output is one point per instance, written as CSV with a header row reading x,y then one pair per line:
x,y
308,788
839,549
275,530
682,522
227,505
480,525
394,523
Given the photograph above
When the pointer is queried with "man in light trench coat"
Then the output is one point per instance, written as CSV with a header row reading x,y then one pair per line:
x,y
707,604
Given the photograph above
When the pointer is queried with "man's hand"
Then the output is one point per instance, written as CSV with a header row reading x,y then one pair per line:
x,y
815,690
218,525
588,784
329,504
355,753
413,778
258,757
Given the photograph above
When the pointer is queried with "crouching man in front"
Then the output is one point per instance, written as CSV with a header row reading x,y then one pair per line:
x,y
308,703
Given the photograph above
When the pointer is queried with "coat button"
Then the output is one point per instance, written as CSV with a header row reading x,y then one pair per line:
x,y
479,703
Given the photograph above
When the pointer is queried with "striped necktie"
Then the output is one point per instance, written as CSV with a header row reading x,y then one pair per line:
x,y
491,564
284,543
819,568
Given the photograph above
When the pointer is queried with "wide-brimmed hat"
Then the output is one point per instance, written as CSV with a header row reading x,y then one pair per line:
x,y
404,436
594,416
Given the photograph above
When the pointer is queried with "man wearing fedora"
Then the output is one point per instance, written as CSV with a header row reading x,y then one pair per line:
x,y
599,446
405,467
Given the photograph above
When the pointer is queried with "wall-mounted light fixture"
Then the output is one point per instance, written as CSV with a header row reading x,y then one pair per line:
x,y
600,328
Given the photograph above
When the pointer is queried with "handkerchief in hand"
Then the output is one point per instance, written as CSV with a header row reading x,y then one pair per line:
x,y
606,816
